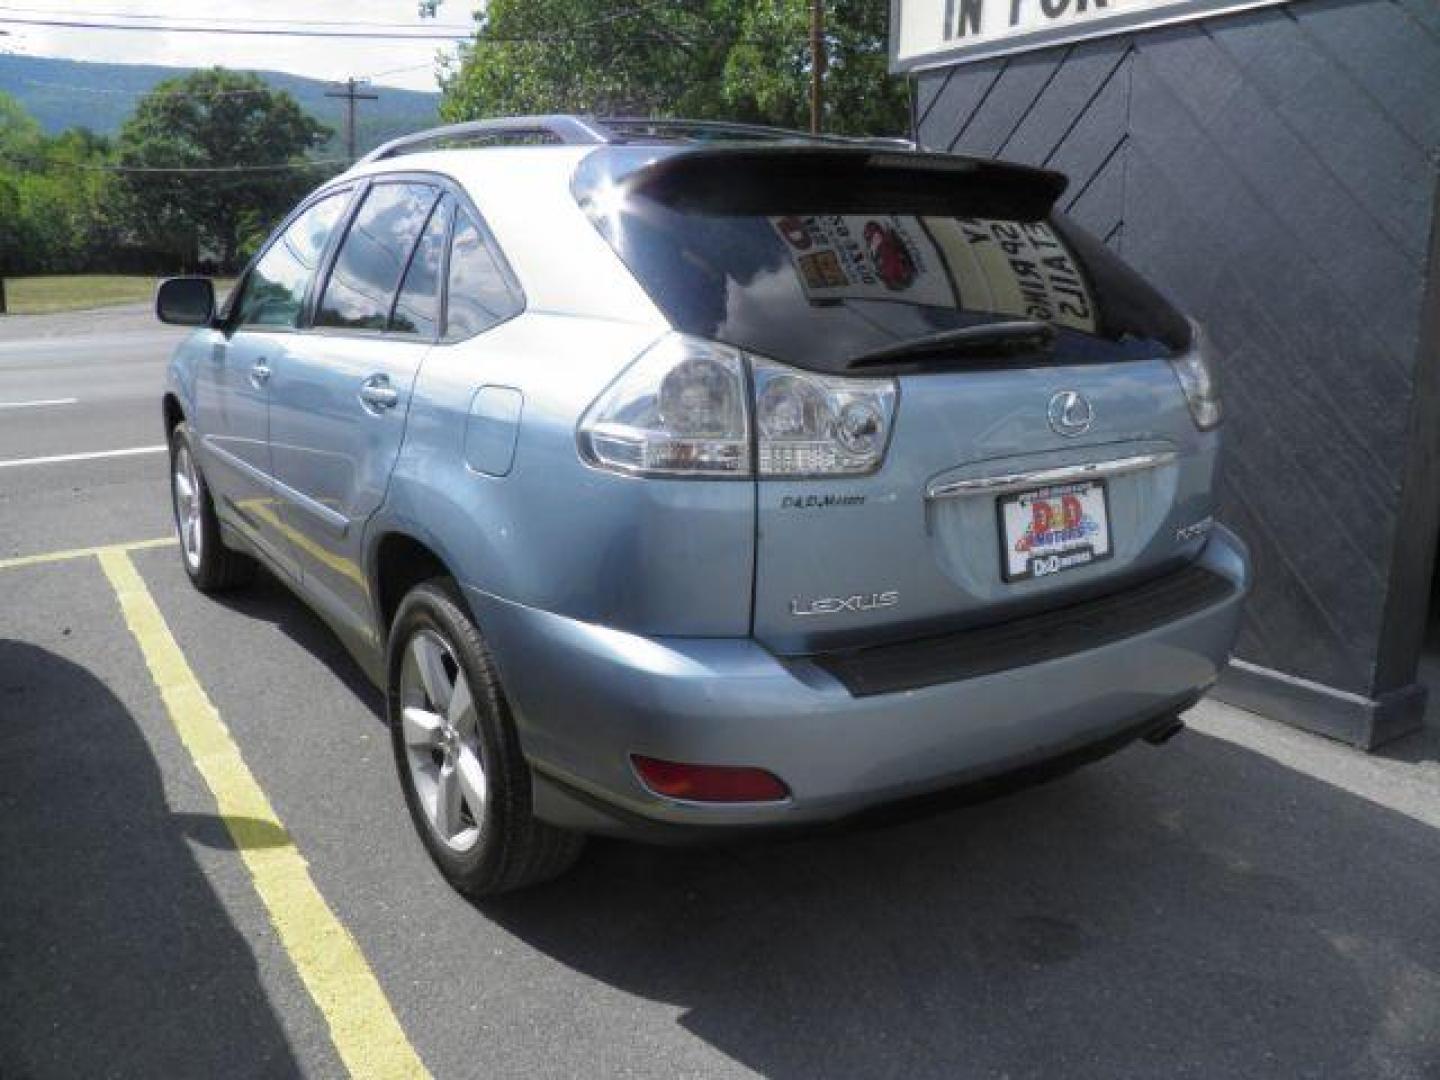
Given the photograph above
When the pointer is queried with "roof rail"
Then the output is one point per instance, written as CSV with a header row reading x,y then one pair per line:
x,y
509,130
594,131
641,126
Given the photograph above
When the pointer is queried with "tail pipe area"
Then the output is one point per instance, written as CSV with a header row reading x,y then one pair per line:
x,y
1165,730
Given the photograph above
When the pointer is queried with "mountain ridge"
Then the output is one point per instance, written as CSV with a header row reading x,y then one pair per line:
x,y
99,96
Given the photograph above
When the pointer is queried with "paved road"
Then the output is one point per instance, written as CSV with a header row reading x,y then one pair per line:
x,y
71,384
1246,901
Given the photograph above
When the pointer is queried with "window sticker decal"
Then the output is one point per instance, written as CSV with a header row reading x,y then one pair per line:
x,y
1014,268
865,257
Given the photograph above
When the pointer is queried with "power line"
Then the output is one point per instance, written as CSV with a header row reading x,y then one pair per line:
x,y
394,38
170,28
462,28
564,34
137,92
142,92
176,169
284,167
394,71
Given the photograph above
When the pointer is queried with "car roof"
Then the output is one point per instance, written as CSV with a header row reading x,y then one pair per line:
x,y
521,171
573,130
518,172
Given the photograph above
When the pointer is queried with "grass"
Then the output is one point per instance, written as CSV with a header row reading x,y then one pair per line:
x,y
79,292
75,292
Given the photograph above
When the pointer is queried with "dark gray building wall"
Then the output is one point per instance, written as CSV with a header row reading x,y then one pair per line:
x,y
1275,172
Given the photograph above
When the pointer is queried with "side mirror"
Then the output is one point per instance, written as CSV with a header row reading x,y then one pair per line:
x,y
186,301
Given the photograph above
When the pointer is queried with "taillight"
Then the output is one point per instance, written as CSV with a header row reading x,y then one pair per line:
x,y
709,783
1197,379
685,408
820,425
679,410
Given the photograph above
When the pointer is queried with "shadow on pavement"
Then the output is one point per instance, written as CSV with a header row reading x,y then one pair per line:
x,y
1189,911
1421,747
215,832
116,956
1193,910
269,600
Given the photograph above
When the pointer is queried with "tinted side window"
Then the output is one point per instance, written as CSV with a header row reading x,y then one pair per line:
x,y
417,311
372,257
478,295
275,290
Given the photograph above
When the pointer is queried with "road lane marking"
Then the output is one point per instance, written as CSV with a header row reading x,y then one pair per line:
x,y
363,1027
91,455
83,553
38,404
1401,787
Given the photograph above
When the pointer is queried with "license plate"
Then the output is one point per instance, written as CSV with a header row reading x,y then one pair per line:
x,y
1054,529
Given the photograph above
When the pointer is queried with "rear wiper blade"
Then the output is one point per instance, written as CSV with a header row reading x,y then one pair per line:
x,y
998,339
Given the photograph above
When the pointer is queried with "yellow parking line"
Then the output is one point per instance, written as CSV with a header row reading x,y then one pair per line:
x,y
363,1027
81,553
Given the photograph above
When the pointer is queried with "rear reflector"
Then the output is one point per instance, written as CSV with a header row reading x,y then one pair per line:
x,y
709,783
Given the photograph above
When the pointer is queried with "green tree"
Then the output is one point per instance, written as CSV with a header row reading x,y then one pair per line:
x,y
587,56
20,143
10,231
213,120
768,69
67,199
56,199
20,135
743,60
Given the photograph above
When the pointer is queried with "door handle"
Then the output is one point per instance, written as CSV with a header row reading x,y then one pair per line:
x,y
259,373
376,393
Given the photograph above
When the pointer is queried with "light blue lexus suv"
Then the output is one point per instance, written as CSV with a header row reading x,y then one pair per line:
x,y
681,480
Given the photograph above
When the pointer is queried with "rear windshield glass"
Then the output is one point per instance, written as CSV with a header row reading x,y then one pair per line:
x,y
821,289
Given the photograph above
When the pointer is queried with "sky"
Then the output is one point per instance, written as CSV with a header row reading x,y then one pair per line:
x,y
391,62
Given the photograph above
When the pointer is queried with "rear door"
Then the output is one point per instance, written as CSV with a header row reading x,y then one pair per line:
x,y
340,397
1041,449
1010,483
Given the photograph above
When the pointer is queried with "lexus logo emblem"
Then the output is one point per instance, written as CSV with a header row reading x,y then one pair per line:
x,y
1070,413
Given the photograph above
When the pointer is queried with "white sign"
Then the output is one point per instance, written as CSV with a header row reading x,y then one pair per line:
x,y
926,33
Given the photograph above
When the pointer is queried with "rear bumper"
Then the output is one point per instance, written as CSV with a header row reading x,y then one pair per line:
x,y
586,697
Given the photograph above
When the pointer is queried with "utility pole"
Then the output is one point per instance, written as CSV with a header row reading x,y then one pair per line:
x,y
351,96
817,63
3,308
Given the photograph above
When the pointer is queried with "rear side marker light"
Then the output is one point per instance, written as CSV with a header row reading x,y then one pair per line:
x,y
709,783
1196,374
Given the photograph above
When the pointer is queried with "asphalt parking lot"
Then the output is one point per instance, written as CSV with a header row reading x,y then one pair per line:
x,y
1245,901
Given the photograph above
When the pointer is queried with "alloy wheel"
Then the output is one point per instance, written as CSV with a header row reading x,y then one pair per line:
x,y
185,486
441,735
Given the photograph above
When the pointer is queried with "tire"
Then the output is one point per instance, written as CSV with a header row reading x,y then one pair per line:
x,y
466,783
210,565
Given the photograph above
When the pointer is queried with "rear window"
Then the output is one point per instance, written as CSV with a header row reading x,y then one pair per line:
x,y
818,277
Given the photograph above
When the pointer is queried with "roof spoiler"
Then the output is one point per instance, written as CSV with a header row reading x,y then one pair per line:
x,y
844,180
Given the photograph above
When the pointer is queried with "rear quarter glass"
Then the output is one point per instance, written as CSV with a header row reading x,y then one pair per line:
x,y
855,268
